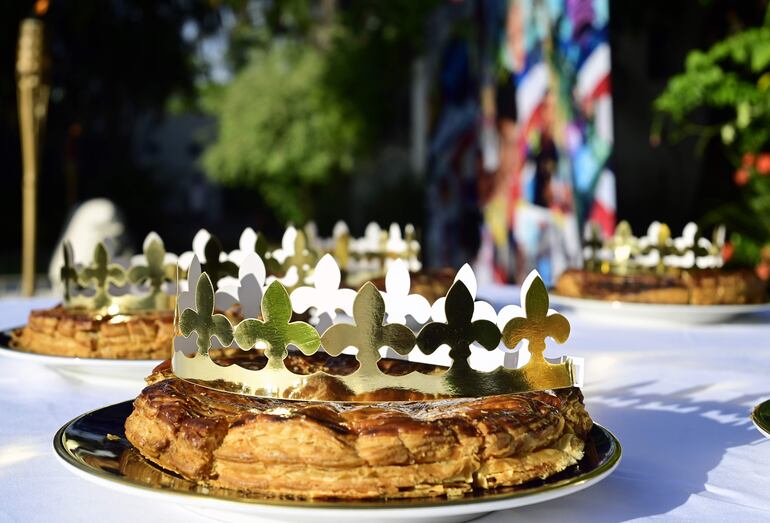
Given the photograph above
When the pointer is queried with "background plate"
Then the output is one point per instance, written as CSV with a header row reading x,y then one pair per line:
x,y
761,418
94,447
650,312
92,370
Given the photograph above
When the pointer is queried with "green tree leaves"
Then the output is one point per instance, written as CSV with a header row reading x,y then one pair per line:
x,y
732,81
281,132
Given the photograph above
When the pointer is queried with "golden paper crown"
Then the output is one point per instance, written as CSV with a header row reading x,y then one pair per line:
x,y
293,261
114,286
300,249
370,321
109,285
656,252
118,285
370,255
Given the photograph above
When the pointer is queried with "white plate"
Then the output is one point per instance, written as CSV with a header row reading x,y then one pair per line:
x,y
650,312
82,446
98,371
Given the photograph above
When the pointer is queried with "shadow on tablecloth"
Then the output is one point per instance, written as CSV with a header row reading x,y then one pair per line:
x,y
670,444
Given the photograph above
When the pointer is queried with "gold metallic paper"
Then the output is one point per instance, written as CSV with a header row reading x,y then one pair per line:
x,y
95,281
459,331
203,321
367,335
664,246
369,332
306,253
99,275
155,273
622,253
303,259
216,268
277,330
261,247
624,246
535,327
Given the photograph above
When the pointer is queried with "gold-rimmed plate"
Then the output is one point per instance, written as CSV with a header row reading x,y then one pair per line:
x,y
94,447
761,418
99,371
629,312
633,313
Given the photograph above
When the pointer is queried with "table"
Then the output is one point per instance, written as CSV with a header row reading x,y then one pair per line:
x,y
677,397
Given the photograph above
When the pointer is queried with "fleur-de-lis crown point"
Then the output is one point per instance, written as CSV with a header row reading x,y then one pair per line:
x,y
369,333
276,327
459,331
539,323
203,321
214,265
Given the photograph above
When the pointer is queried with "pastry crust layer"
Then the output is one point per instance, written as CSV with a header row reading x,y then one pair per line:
x,y
694,287
82,334
356,451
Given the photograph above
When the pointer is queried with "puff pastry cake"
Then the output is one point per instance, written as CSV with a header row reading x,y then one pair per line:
x,y
694,287
78,333
310,450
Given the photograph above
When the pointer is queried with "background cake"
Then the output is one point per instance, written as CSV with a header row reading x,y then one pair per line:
x,y
659,269
112,309
82,334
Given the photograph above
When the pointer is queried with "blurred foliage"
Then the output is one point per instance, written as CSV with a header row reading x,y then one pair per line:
x,y
121,66
316,87
280,136
724,93
750,220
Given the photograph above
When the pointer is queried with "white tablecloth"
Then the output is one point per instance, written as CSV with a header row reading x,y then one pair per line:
x,y
678,398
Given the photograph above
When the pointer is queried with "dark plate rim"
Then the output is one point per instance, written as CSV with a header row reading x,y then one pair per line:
x,y
761,416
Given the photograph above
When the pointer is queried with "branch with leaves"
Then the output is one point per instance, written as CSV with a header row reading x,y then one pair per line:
x,y
732,81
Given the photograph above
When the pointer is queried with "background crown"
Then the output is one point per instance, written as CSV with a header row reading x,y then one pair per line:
x,y
293,261
362,324
656,252
113,286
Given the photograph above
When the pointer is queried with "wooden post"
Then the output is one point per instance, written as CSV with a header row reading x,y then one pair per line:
x,y
33,103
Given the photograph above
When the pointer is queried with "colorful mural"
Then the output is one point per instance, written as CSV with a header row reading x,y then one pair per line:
x,y
553,175
541,137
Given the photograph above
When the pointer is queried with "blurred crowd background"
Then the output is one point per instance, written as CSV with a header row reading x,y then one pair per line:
x,y
498,128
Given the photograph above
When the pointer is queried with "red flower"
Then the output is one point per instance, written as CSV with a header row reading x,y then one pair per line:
x,y
763,270
741,176
748,160
763,163
727,251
